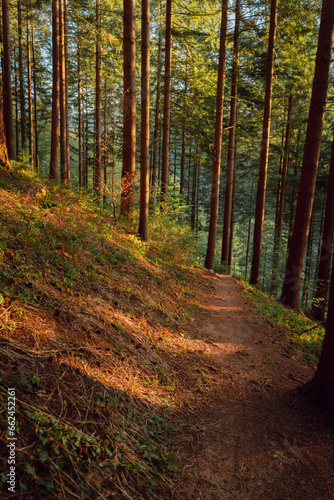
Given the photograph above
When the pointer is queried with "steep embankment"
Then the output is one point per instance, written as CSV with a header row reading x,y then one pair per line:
x,y
137,375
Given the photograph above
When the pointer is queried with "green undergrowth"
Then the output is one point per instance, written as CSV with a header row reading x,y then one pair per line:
x,y
295,330
90,336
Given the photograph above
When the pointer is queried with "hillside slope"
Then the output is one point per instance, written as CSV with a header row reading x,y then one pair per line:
x,y
91,340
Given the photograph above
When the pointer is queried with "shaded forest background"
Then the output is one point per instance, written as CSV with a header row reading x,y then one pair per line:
x,y
93,35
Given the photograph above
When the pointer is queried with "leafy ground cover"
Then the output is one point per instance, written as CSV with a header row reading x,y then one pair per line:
x,y
91,340
300,333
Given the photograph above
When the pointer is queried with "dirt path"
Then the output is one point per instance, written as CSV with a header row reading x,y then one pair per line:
x,y
255,435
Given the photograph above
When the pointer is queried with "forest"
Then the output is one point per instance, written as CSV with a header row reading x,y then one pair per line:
x,y
153,153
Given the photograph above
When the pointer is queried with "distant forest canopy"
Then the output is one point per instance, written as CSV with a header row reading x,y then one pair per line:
x,y
121,98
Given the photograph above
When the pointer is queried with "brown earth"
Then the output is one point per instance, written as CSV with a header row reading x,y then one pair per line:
x,y
254,433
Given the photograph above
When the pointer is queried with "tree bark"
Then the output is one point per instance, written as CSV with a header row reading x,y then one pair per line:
x,y
145,122
320,294
53,174
79,112
281,199
294,268
35,100
4,159
226,250
156,128
67,129
97,169
21,76
262,180
62,95
167,95
322,384
129,110
7,81
30,110
210,253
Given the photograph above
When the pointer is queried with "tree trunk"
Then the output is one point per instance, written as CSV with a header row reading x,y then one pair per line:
x,y
156,128
67,129
183,140
262,180
35,100
231,142
167,94
97,169
145,122
322,384
4,160
105,146
210,253
21,76
55,92
281,199
194,191
30,110
129,111
294,268
320,294
79,113
7,81
62,93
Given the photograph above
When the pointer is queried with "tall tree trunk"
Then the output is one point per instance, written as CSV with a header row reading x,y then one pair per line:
x,y
308,265
35,100
17,128
210,253
226,250
194,191
30,110
229,262
281,199
55,92
294,268
320,294
105,146
262,180
183,140
145,121
62,94
129,111
97,169
7,81
21,76
294,189
67,129
4,160
156,128
167,95
322,384
79,112
249,230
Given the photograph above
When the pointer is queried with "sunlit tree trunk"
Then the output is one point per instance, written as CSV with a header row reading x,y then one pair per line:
x,y
226,249
210,253
262,179
55,92
167,94
4,160
145,121
67,129
129,110
79,112
17,128
21,76
97,168
7,81
35,101
62,94
294,268
30,109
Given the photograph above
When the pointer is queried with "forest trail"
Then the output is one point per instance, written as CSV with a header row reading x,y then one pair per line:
x,y
256,435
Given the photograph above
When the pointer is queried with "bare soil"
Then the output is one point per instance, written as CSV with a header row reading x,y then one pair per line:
x,y
254,434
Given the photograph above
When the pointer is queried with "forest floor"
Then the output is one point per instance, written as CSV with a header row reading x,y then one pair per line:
x,y
257,435
140,376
